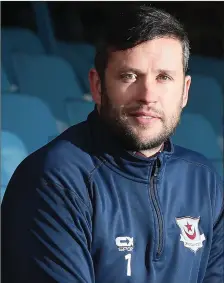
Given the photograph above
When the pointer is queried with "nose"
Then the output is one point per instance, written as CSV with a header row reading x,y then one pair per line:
x,y
147,91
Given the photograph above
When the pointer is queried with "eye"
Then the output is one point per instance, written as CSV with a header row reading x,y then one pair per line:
x,y
163,77
128,77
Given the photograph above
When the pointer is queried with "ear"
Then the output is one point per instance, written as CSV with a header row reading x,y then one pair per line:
x,y
95,86
187,83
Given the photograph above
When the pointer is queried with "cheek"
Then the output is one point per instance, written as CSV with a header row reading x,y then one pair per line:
x,y
171,94
171,105
121,93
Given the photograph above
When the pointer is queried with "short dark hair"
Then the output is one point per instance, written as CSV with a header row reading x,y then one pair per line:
x,y
125,28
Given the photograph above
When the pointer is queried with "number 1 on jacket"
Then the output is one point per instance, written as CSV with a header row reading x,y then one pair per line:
x,y
128,258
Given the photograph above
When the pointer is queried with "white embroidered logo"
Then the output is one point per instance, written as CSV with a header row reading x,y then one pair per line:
x,y
125,243
190,234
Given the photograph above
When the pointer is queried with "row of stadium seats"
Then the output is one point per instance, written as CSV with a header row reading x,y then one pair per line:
x,y
79,56
51,78
43,94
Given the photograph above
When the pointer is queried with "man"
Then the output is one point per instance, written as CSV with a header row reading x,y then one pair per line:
x,y
112,200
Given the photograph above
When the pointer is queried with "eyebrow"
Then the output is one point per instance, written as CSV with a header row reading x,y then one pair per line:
x,y
138,71
130,69
166,71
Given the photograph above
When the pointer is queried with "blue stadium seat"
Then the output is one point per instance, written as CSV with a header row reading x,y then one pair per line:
x,y
5,85
18,39
13,151
50,78
208,66
78,109
29,119
81,57
196,133
206,98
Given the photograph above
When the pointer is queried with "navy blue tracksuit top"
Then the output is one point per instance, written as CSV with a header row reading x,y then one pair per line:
x,y
83,210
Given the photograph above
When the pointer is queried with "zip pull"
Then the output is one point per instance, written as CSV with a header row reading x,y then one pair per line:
x,y
156,167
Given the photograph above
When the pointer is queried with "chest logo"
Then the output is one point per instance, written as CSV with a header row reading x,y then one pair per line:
x,y
190,234
125,243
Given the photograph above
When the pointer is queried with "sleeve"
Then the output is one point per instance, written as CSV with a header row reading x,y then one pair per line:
x,y
215,268
46,234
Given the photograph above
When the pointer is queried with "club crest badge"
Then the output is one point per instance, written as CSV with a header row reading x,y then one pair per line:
x,y
190,234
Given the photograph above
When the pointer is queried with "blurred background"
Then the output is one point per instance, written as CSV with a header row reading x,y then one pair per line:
x,y
47,49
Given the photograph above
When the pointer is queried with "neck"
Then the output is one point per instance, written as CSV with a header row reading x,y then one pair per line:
x,y
152,152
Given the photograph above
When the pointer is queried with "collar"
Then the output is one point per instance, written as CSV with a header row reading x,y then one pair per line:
x,y
141,154
107,148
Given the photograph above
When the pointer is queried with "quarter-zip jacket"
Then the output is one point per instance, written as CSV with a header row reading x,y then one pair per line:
x,y
83,209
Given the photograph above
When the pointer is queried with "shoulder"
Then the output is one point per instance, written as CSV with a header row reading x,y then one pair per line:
x,y
65,163
194,159
71,148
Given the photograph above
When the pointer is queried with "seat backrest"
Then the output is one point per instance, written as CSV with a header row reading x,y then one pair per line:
x,y
196,133
79,109
29,119
81,57
87,51
13,151
5,85
49,78
18,39
207,66
206,98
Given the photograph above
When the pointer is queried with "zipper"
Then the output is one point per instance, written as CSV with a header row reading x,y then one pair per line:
x,y
156,206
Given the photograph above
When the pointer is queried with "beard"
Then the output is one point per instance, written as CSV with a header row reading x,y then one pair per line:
x,y
116,119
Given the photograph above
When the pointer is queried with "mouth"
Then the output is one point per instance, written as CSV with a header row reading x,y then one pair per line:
x,y
144,117
144,114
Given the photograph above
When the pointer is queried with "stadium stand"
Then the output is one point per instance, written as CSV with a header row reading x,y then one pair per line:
x,y
81,57
17,39
78,109
206,98
197,133
5,84
207,66
29,119
13,151
51,79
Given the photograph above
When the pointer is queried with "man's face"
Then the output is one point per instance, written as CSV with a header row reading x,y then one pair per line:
x,y
144,92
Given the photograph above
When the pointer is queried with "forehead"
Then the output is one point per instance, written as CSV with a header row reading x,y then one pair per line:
x,y
157,53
